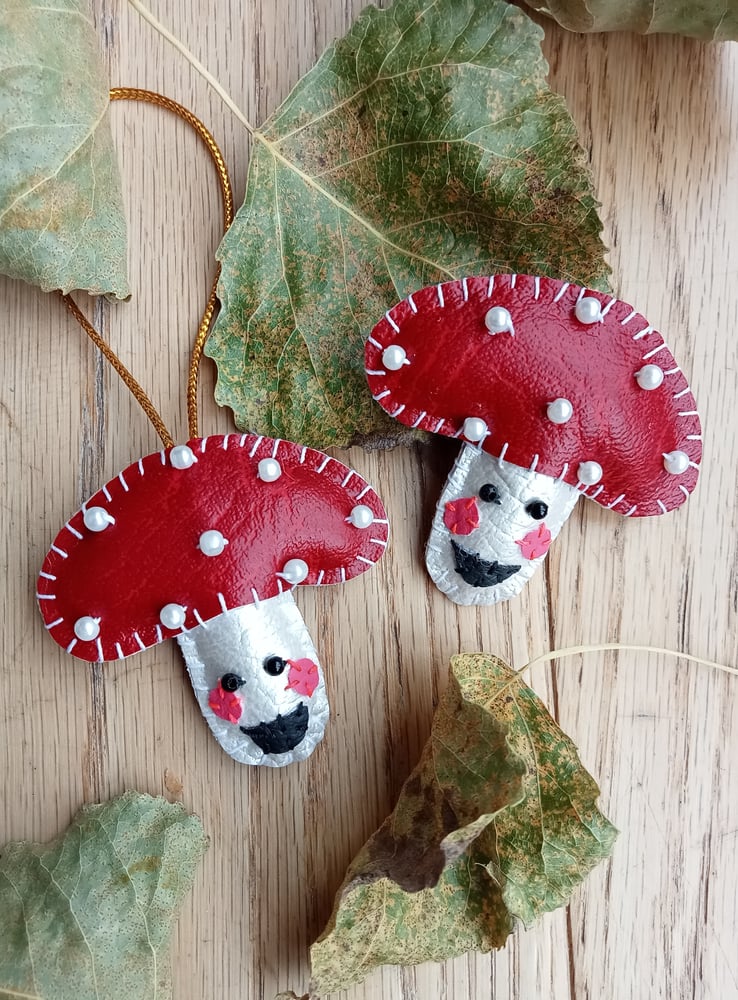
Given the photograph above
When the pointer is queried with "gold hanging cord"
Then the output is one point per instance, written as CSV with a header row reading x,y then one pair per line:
x,y
149,96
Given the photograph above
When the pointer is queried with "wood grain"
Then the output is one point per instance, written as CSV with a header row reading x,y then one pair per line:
x,y
660,119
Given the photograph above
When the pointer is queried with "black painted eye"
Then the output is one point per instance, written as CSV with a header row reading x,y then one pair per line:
x,y
537,509
231,682
274,665
489,493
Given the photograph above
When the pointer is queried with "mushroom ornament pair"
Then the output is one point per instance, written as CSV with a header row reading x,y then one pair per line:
x,y
205,542
556,392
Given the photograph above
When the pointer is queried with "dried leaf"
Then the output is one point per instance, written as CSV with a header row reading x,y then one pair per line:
x,y
90,914
497,822
61,208
423,146
710,20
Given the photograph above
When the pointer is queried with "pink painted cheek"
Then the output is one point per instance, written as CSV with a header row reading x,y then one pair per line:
x,y
461,516
536,543
303,677
226,704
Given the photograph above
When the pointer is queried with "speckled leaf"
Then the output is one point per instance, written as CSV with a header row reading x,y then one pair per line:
x,y
89,916
496,822
61,209
710,20
423,146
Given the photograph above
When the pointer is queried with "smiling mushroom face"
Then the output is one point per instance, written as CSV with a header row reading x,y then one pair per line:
x,y
204,543
556,392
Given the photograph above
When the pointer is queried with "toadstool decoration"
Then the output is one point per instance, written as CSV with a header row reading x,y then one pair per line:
x,y
204,542
556,392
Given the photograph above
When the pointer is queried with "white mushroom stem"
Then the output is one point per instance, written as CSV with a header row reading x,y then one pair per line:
x,y
490,554
239,642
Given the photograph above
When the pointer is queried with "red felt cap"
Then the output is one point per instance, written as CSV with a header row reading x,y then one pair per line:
x,y
572,383
150,552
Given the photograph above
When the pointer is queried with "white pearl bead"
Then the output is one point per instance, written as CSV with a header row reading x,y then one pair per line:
x,y
172,616
589,473
361,516
559,411
676,462
87,628
269,470
587,310
212,542
474,428
650,377
394,357
498,320
295,570
182,456
97,518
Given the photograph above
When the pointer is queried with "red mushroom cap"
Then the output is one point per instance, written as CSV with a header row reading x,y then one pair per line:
x,y
448,366
150,555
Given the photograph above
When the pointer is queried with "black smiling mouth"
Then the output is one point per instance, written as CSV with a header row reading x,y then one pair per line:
x,y
478,572
281,734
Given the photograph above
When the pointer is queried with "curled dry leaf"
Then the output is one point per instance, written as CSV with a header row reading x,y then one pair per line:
x,y
423,146
710,20
91,913
61,208
497,822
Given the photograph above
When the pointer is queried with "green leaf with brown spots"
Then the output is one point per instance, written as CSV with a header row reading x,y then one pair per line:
x,y
90,915
61,208
710,20
423,146
497,822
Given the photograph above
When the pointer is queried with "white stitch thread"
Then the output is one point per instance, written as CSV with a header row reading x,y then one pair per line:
x,y
694,465
159,634
139,640
320,578
119,650
381,395
242,440
673,371
323,464
100,656
277,443
662,506
643,333
687,413
465,289
72,530
684,490
303,453
203,444
381,520
350,474
563,472
694,437
581,294
71,645
57,621
123,483
163,456
491,285
536,287
141,466
616,501
255,596
379,541
391,322
343,575
682,392
597,492
106,491
197,616
398,411
224,444
370,372
59,551
501,456
363,492
628,318
419,421
279,585
411,301
375,342
255,446
45,597
561,292
513,279
608,307
534,463
363,559
439,425
47,576
632,510
222,602
654,351
439,290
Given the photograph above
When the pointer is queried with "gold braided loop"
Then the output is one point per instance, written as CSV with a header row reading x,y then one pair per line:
x,y
151,97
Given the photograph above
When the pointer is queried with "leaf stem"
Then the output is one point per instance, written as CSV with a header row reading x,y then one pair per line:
x,y
194,62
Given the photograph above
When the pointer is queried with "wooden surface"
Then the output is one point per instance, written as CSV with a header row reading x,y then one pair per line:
x,y
660,117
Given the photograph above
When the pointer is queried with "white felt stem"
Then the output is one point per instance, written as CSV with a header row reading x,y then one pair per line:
x,y
239,642
501,526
